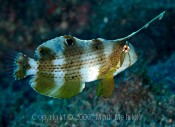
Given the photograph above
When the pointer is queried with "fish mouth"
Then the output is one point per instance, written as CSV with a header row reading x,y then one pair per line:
x,y
133,57
128,61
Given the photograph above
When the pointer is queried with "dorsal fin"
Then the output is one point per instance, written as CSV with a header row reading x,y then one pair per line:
x,y
50,48
160,16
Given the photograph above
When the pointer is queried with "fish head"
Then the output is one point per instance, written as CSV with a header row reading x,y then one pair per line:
x,y
127,55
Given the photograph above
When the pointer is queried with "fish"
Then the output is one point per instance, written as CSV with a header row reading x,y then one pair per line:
x,y
63,65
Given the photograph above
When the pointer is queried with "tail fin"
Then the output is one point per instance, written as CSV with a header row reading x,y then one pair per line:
x,y
23,66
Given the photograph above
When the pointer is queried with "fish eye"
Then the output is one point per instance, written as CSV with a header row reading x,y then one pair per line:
x,y
126,48
69,41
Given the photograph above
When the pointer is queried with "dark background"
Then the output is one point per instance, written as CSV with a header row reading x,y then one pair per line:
x,y
147,88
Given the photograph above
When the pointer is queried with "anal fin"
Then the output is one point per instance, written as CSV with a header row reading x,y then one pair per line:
x,y
57,88
106,87
69,89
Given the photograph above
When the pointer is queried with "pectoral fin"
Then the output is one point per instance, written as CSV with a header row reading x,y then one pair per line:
x,y
105,87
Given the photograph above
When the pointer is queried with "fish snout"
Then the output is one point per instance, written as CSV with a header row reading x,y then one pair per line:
x,y
133,54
